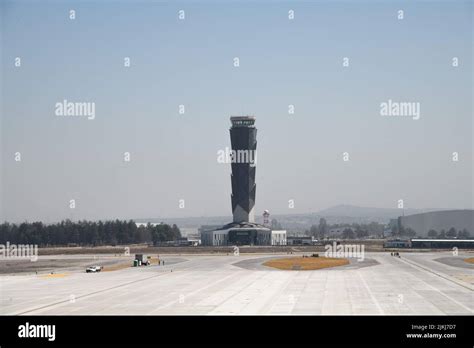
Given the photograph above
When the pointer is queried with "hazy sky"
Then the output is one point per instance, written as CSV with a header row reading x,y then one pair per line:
x,y
190,62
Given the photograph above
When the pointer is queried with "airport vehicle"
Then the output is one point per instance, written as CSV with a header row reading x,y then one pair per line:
x,y
142,259
93,269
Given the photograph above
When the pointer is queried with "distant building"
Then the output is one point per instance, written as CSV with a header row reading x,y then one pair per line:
x,y
442,243
439,220
396,243
279,237
205,228
338,231
214,237
186,241
299,240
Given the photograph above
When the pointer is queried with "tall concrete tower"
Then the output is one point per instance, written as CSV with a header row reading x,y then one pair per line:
x,y
243,138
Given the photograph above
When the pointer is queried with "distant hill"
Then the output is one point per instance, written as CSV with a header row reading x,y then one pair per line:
x,y
368,212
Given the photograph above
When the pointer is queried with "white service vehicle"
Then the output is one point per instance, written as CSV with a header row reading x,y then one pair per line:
x,y
93,269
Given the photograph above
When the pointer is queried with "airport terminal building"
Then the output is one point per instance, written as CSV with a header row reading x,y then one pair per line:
x,y
243,230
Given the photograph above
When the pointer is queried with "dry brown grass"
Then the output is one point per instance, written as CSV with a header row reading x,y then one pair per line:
x,y
116,267
306,263
54,275
154,261
469,260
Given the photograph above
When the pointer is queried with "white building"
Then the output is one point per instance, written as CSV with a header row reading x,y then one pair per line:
x,y
279,237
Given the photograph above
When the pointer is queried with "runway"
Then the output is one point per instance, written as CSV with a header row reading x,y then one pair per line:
x,y
417,283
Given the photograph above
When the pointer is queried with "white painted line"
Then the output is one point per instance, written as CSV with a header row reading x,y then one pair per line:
x,y
374,300
432,287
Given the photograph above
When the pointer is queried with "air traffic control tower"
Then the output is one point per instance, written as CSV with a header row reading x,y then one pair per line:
x,y
243,138
243,230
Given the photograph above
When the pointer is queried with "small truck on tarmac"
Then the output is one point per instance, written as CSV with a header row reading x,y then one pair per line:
x,y
93,269
142,259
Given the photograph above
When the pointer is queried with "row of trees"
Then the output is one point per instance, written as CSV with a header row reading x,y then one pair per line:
x,y
352,231
86,233
451,233
401,231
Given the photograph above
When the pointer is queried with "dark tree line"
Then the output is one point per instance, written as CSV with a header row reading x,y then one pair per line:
x,y
351,231
399,230
86,233
451,233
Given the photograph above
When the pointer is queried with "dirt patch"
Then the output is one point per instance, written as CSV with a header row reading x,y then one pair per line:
x,y
55,275
306,263
469,260
116,267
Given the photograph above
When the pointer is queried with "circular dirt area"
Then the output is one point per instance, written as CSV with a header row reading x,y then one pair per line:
x,y
469,260
305,263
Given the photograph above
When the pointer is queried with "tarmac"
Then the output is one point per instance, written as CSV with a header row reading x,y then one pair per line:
x,y
427,283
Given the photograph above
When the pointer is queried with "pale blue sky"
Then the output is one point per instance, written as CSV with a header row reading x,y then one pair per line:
x,y
190,62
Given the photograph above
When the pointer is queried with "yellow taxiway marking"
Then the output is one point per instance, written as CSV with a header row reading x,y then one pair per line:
x,y
55,275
